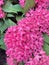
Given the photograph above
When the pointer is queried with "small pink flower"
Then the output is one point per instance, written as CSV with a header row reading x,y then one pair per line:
x,y
10,61
42,3
22,2
2,14
1,2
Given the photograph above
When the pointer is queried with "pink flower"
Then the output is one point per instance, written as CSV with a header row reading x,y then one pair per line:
x,y
22,2
42,18
2,14
1,2
43,60
10,61
24,38
42,3
24,41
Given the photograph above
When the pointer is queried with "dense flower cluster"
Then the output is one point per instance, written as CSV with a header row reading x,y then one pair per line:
x,y
2,14
39,60
25,41
25,44
42,18
42,3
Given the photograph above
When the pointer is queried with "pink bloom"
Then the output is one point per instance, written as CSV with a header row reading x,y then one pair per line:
x,y
42,3
24,38
22,2
10,61
42,18
24,42
2,14
43,60
1,2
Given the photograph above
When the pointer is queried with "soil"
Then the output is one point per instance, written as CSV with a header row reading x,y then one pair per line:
x,y
2,57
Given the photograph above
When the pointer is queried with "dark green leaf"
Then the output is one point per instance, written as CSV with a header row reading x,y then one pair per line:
x,y
6,24
9,22
1,23
2,45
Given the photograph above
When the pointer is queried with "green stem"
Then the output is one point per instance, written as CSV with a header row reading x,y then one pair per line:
x,y
29,4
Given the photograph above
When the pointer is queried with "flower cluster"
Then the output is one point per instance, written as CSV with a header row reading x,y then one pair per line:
x,y
2,14
42,19
25,41
39,60
42,3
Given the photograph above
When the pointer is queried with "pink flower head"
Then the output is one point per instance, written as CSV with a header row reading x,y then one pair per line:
x,y
10,61
2,14
42,3
23,40
1,2
42,18
39,60
22,2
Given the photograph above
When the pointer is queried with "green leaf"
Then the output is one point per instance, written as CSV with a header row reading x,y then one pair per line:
x,y
6,24
18,8
29,4
19,17
46,38
46,43
9,22
2,45
10,15
1,23
8,7
46,48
